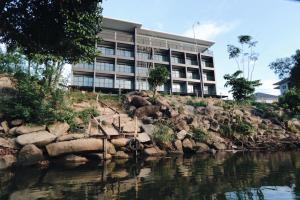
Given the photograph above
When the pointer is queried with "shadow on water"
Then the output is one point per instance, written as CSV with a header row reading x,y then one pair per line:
x,y
223,176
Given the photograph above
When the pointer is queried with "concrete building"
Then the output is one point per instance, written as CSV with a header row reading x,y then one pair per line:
x,y
128,52
265,98
282,85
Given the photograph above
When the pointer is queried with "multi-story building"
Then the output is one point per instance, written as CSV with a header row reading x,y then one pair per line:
x,y
128,52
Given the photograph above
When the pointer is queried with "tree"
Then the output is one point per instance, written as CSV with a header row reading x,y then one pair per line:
x,y
291,100
10,62
244,55
157,77
288,68
241,88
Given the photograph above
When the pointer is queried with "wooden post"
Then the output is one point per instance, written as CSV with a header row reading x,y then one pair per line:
x,y
104,148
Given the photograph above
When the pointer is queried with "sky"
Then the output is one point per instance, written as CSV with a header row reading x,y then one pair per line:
x,y
275,24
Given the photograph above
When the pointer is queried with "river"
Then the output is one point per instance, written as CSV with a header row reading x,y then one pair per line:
x,y
221,176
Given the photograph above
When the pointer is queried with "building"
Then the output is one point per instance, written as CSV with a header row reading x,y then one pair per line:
x,y
282,85
128,52
265,98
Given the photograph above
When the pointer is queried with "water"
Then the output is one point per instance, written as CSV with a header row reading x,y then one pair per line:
x,y
223,176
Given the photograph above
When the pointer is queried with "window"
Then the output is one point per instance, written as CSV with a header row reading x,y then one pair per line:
x,y
142,85
161,57
191,61
143,55
176,87
107,50
104,82
176,59
78,80
190,89
104,66
124,83
81,80
205,89
125,68
142,71
89,66
176,74
125,52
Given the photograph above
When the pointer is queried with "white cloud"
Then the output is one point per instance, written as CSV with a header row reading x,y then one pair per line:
x,y
268,87
209,30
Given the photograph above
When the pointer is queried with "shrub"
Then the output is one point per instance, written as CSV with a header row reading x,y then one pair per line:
x,y
226,130
162,133
199,134
291,100
197,103
242,127
86,114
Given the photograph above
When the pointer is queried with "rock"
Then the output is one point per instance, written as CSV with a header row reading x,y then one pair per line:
x,y
187,145
74,146
129,127
181,134
121,155
147,111
148,128
172,113
5,127
98,156
178,145
59,128
238,113
219,146
214,126
16,122
7,161
12,131
132,109
30,155
143,94
143,137
158,115
293,125
182,125
40,138
189,110
120,142
154,151
29,129
111,148
202,147
74,159
139,101
6,143
69,137
148,120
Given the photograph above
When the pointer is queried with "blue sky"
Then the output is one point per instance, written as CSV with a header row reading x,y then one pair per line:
x,y
273,23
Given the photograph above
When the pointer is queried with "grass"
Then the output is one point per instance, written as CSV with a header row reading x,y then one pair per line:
x,y
199,135
162,134
86,114
197,103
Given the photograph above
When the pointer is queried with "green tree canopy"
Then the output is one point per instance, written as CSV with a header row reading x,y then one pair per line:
x,y
157,77
64,30
241,88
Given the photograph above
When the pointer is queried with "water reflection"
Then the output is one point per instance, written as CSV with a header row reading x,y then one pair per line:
x,y
223,176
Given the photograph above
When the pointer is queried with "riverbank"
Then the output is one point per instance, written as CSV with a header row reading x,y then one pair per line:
x,y
141,125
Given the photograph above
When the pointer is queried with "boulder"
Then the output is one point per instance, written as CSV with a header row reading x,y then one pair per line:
x,y
219,146
59,128
30,155
143,137
187,145
12,131
7,161
5,127
293,125
147,111
98,156
181,134
182,125
29,129
16,122
111,148
120,142
139,101
214,126
121,155
74,146
202,147
154,151
74,159
148,120
7,143
148,128
40,138
238,113
178,145
69,137
130,126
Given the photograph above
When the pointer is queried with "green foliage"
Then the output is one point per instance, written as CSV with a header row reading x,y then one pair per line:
x,y
267,109
153,100
291,100
241,88
226,130
157,77
199,134
242,127
10,61
196,103
162,133
87,113
36,103
65,30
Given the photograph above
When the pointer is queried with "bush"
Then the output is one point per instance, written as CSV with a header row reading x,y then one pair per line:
x,y
196,103
242,127
291,100
162,134
86,114
199,135
226,130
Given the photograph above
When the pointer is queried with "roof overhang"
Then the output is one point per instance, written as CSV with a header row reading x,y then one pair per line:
x,y
120,25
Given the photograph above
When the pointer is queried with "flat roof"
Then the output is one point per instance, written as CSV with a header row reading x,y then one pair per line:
x,y
123,25
282,81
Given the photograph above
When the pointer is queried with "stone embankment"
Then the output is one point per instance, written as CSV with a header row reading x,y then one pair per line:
x,y
188,128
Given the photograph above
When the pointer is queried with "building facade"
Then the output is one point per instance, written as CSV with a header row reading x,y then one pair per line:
x,y
283,85
128,52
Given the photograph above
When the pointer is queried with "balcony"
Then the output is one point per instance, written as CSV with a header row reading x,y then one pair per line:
x,y
106,51
125,53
